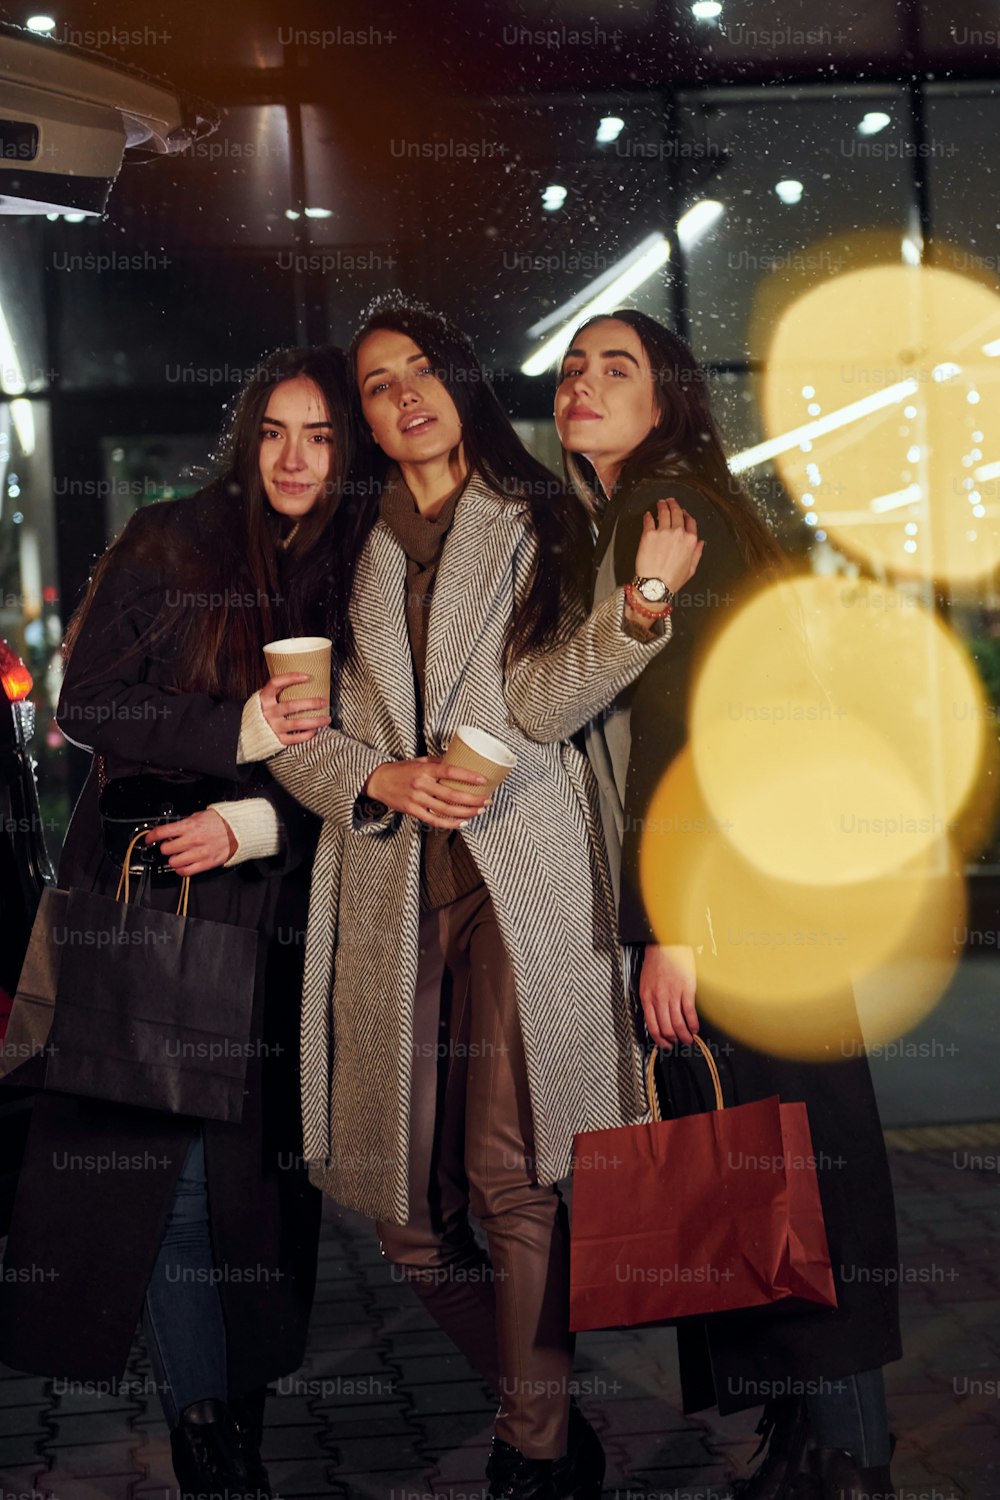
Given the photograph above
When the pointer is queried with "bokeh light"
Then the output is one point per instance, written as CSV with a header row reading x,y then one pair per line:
x,y
902,366
776,961
837,730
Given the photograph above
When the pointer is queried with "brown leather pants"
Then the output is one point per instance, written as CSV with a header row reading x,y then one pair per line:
x,y
472,1148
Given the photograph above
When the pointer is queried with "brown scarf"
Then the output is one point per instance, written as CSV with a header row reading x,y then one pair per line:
x,y
448,870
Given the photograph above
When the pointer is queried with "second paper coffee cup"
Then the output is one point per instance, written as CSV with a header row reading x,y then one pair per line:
x,y
476,750
301,653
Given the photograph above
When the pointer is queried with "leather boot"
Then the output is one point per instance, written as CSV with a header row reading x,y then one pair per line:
x,y
248,1414
514,1477
580,1475
841,1477
207,1454
783,1430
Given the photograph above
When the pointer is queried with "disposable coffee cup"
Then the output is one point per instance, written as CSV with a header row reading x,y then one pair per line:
x,y
478,751
301,653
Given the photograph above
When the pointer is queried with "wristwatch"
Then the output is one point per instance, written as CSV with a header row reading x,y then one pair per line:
x,y
653,590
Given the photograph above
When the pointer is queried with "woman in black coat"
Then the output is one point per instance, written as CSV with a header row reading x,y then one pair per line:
x,y
636,426
208,1231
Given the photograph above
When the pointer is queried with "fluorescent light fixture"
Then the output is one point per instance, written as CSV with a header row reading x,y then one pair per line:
x,y
751,457
292,213
946,370
602,295
992,349
706,10
11,375
874,121
319,213
23,417
988,471
609,129
789,190
40,23
553,197
893,501
698,220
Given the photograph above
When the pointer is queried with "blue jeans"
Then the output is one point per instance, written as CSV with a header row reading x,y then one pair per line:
x,y
182,1316
853,1417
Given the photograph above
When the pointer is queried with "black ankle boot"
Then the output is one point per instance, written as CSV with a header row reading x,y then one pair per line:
x,y
839,1476
783,1430
207,1453
580,1475
248,1414
514,1477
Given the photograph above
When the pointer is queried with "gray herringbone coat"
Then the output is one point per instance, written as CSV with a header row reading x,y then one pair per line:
x,y
538,847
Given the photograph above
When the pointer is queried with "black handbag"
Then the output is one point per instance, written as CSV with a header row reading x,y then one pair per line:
x,y
153,1008
130,805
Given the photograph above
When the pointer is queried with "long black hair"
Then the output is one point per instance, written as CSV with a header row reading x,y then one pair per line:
x,y
685,442
236,588
492,449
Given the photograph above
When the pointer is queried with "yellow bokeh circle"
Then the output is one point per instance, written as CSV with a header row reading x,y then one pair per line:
x,y
837,730
881,388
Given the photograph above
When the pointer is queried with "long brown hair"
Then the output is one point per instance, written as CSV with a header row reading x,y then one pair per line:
x,y
685,442
492,449
235,587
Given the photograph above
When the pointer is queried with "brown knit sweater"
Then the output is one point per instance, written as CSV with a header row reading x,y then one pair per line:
x,y
447,869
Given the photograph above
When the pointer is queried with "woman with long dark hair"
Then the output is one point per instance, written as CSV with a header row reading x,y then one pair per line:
x,y
212,1237
633,413
464,1010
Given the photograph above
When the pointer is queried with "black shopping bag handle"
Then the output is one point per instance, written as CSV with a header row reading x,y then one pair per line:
x,y
123,880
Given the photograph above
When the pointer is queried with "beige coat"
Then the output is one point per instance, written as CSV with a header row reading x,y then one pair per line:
x,y
539,848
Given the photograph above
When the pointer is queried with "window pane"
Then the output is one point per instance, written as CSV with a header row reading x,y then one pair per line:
x,y
198,324
843,166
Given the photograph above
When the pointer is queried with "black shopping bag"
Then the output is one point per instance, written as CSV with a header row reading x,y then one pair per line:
x,y
25,1046
153,1008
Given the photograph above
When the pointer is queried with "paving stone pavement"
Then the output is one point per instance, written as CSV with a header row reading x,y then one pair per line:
x,y
384,1409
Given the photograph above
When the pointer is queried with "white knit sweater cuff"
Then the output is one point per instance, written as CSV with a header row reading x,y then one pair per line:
x,y
258,740
255,826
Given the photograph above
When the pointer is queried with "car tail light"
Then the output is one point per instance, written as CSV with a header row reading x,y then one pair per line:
x,y
15,679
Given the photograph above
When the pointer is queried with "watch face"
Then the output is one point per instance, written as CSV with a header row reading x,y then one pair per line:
x,y
653,590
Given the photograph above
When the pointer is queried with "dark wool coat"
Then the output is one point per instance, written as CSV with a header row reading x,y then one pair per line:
x,y
755,1355
85,1235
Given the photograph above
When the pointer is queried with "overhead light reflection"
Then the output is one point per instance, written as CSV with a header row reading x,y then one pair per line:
x,y
609,129
23,417
893,501
698,220
892,394
602,295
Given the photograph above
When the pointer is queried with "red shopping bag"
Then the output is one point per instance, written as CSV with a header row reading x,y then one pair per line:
x,y
704,1214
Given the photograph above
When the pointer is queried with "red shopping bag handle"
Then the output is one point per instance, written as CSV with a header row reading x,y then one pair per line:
x,y
654,1102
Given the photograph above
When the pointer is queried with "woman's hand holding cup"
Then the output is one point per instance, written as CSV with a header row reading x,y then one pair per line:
x,y
417,788
297,720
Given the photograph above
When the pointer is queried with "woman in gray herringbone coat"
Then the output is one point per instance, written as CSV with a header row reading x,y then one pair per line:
x,y
464,1007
